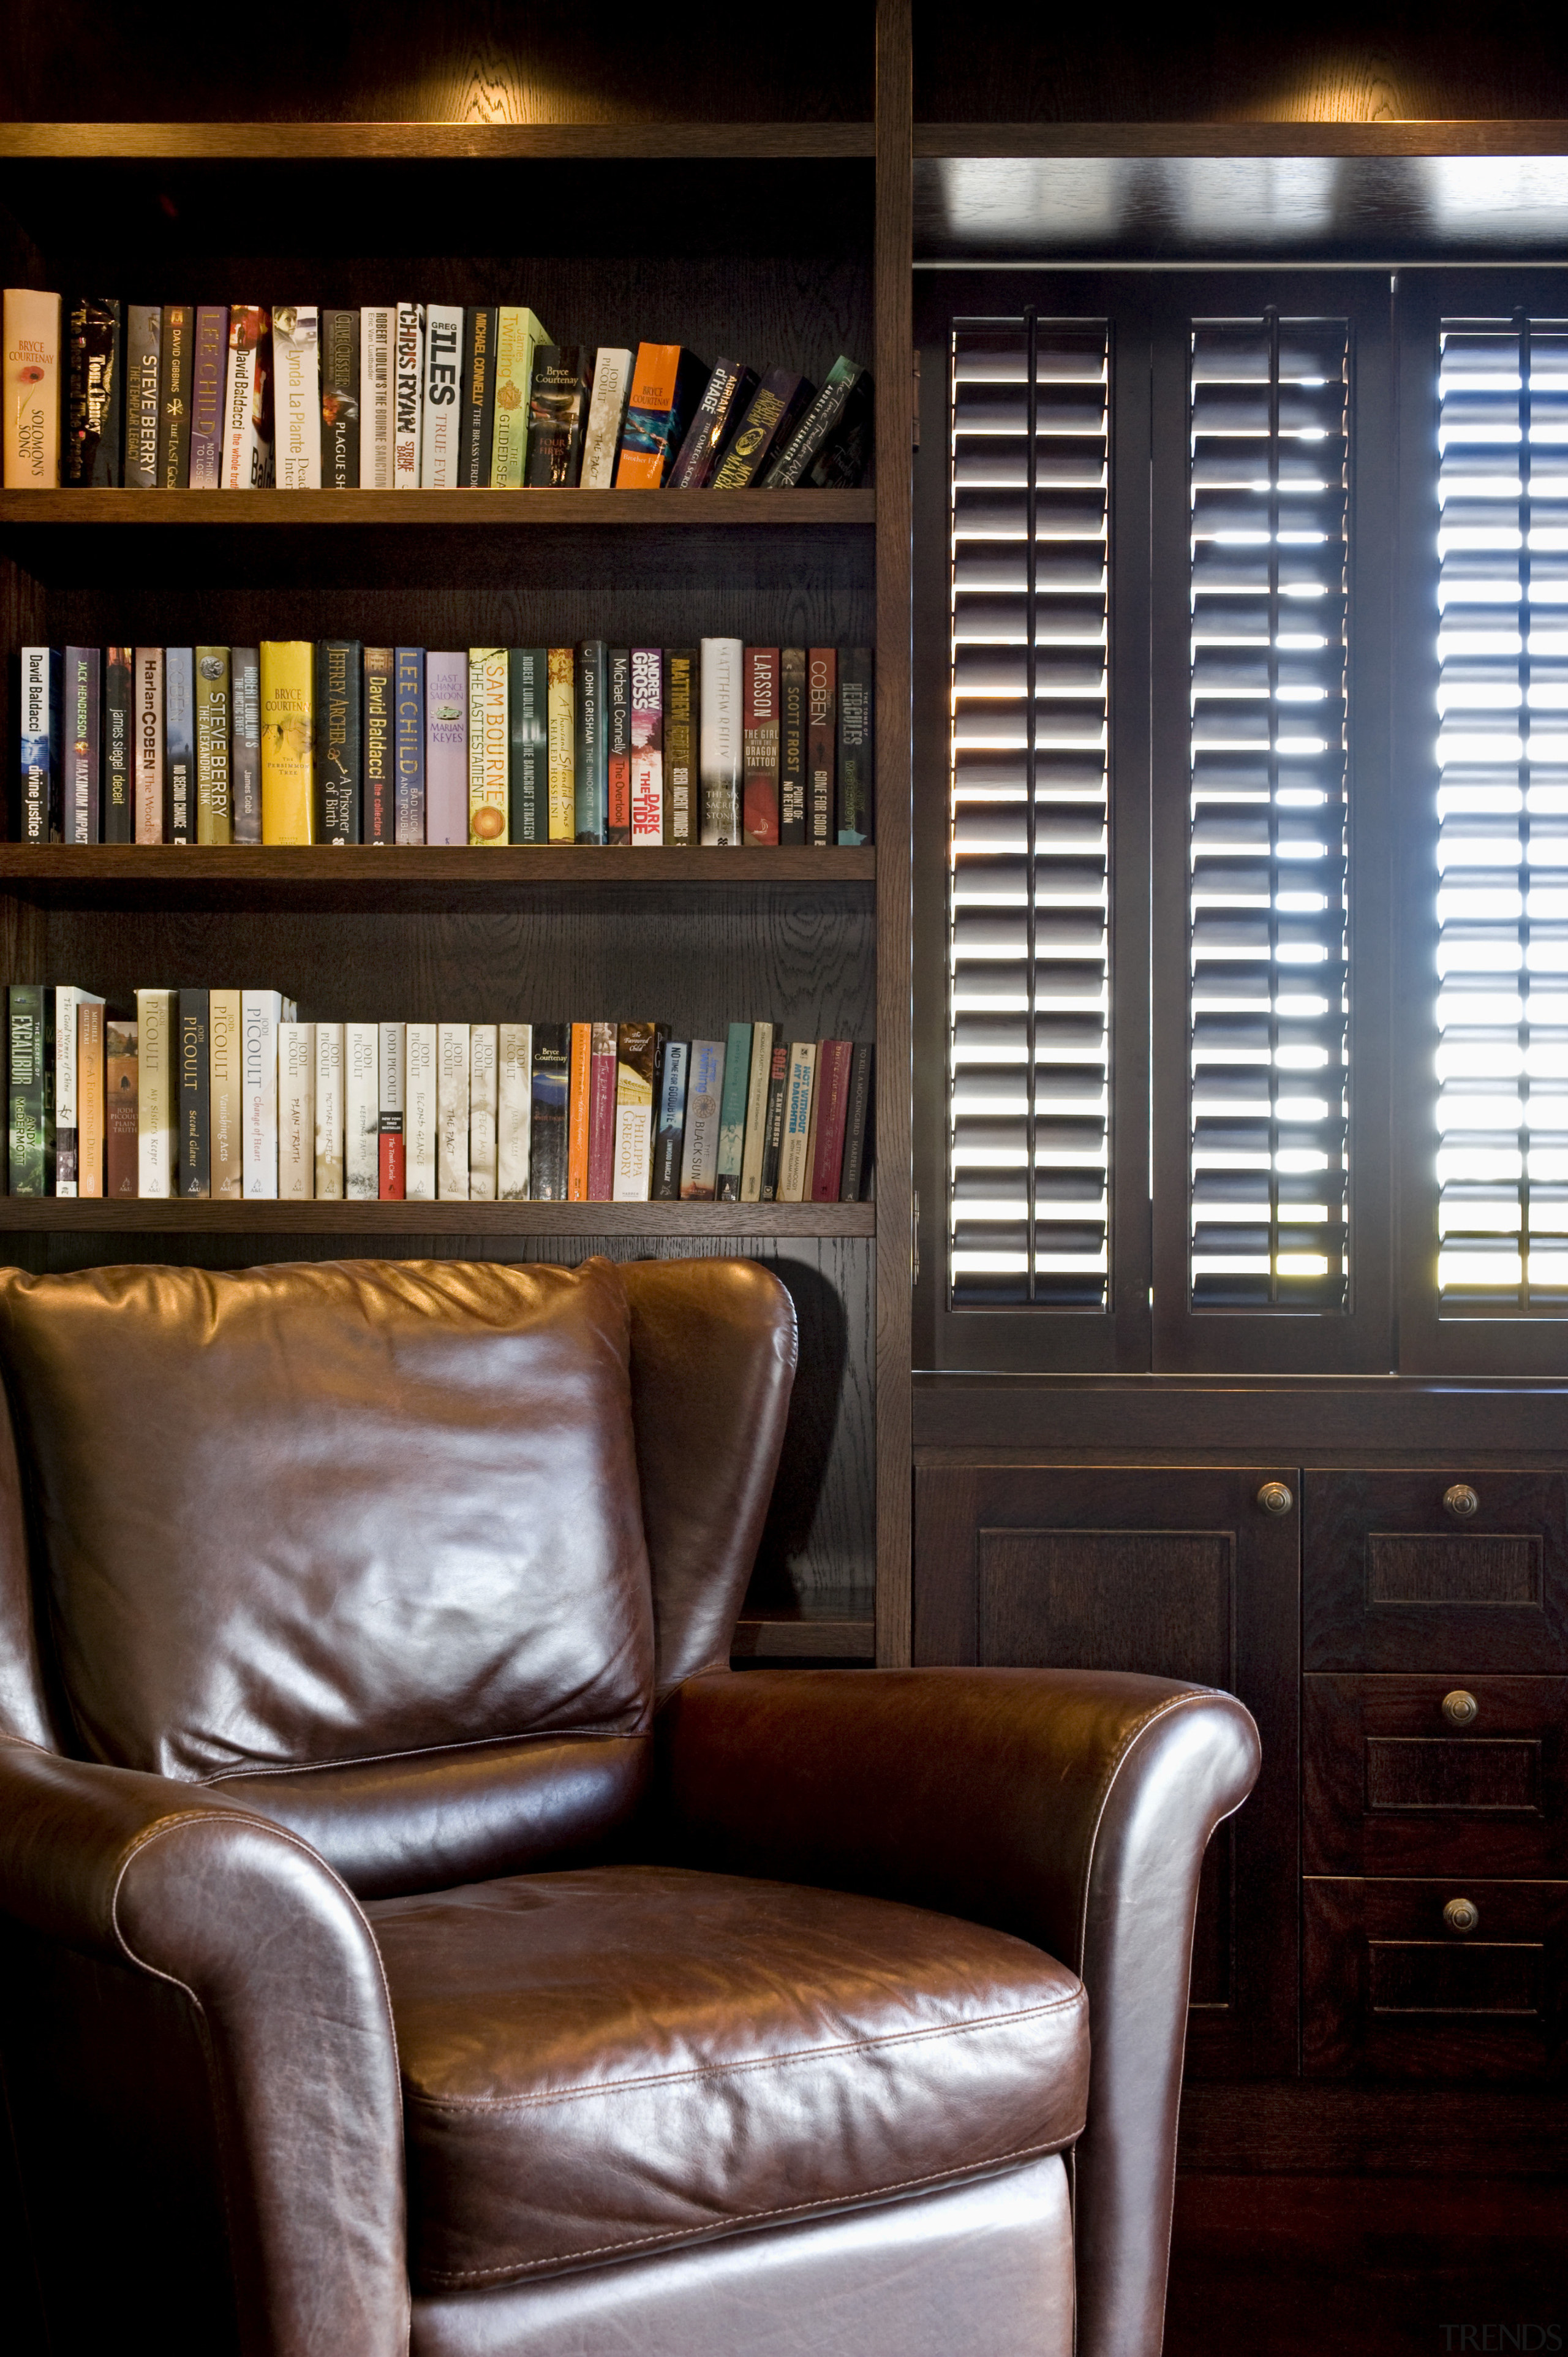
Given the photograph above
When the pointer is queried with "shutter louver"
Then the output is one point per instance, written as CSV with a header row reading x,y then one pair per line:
x,y
1029,1001
1502,1080
1268,983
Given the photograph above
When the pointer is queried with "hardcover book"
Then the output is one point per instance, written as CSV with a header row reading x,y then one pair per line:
x,y
557,406
261,1012
408,388
681,689
562,721
32,349
770,418
637,1047
149,690
725,397
705,1094
245,742
591,763
94,392
857,1125
601,1112
792,745
721,740
855,744
144,362
361,1112
43,719
69,1084
339,401
479,412
756,1112
669,1125
248,400
121,1144
514,1103
441,420
482,1079
617,746
391,1100
759,746
607,412
214,804
157,1157
193,1080
296,364
547,1148
379,814
821,730
833,1059
773,1131
847,390
208,386
329,1112
225,1094
446,746
297,1111
420,1115
666,386
288,731
489,736
410,738
82,716
579,1111
378,336
528,710
451,1112
30,1012
732,1114
794,1166
119,816
90,1104
340,749
179,745
647,745
518,336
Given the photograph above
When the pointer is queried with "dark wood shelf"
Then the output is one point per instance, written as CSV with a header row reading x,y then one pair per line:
x,y
1409,135
287,143
49,1215
790,1639
431,511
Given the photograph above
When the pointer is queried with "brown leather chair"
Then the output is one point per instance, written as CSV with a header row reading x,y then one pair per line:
x,y
415,1936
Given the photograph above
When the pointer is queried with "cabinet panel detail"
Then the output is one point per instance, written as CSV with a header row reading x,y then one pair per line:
x,y
1422,1771
1451,1567
1437,1977
1158,1601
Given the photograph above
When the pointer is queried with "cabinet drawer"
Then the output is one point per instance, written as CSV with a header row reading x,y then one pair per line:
x,y
1393,1580
1392,1784
1391,1989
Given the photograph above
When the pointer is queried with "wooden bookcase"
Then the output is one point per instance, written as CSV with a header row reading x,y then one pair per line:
x,y
785,240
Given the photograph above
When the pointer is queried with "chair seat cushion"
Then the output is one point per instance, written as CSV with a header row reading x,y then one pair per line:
x,y
601,2062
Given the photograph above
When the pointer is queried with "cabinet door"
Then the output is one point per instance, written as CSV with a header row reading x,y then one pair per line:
x,y
1180,1573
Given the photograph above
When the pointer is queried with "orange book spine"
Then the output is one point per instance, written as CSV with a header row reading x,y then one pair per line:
x,y
90,1098
579,1112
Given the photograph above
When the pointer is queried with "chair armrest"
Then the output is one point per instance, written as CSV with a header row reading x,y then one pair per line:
x,y
159,1877
1072,1807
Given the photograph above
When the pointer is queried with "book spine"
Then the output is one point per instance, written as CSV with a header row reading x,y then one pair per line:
x,y
410,731
528,769
361,1112
296,361
792,745
225,1094
558,399
377,334
773,1132
705,1095
173,404
715,415
666,386
408,384
119,818
647,745
143,355
419,1123
602,1113
214,801
489,744
288,731
482,1051
245,749
91,1099
606,410
682,694
41,749
669,1129
446,746
209,383
155,1159
95,377
149,682
441,416
794,1170
32,395
759,746
857,1125
379,815
855,745
28,1139
579,1112
83,720
339,739
637,1047
770,417
261,1012
66,1001
617,746
122,1149
514,1104
721,740
339,399
794,457
248,403
393,1100
451,1112
297,1111
732,1114
756,1112
821,730
593,770
193,1086
518,337
179,745
329,1113
562,763
479,410
547,1145
832,1084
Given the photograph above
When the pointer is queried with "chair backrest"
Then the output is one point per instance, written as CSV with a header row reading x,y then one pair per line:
x,y
399,1554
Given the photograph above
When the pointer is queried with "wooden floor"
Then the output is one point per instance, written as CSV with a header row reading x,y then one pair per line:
x,y
1371,2267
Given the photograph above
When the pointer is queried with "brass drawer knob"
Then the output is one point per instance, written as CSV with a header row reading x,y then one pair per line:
x,y
1459,1709
1461,1501
1275,1498
1461,1914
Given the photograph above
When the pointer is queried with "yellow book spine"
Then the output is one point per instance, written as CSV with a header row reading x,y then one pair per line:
x,y
518,336
288,801
563,726
488,747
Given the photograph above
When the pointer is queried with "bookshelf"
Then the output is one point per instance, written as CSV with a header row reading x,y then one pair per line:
x,y
785,239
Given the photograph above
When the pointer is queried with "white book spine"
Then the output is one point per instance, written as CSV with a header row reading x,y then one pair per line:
x,y
606,408
482,1051
261,1013
451,1112
225,1032
408,388
149,754
633,1150
719,763
361,1112
296,362
441,421
67,1001
297,1111
514,1109
155,1098
794,1176
420,1120
377,330
647,795
329,1112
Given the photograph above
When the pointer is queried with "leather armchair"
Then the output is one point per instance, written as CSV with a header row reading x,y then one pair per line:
x,y
414,1937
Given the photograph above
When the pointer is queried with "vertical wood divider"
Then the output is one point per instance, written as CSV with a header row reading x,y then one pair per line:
x,y
894,363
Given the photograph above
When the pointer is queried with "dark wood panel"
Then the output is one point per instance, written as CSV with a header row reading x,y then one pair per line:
x,y
1180,1573
1390,1582
1391,1786
1366,2131
1390,1990
108,1216
804,1640
1387,138
492,511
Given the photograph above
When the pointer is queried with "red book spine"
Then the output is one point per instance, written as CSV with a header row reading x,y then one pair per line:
x,y
602,1114
832,1085
619,827
821,730
390,1161
760,743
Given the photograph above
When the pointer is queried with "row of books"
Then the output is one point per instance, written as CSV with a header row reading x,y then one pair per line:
x,y
210,1094
333,742
399,396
